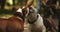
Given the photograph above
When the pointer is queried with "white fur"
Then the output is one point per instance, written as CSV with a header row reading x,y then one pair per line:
x,y
19,10
39,23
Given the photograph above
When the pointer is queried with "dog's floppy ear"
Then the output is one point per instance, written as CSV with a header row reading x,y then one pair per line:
x,y
19,10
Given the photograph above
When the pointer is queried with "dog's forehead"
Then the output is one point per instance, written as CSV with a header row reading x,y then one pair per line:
x,y
19,10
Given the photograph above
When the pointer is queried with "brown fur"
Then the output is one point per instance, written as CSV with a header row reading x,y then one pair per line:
x,y
12,24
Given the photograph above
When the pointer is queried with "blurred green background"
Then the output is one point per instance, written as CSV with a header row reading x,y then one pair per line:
x,y
6,11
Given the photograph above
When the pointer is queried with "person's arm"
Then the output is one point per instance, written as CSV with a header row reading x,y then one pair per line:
x,y
29,3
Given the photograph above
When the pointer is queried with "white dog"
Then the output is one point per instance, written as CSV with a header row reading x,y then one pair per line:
x,y
34,21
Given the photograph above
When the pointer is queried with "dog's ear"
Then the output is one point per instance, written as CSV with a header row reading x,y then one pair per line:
x,y
19,10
